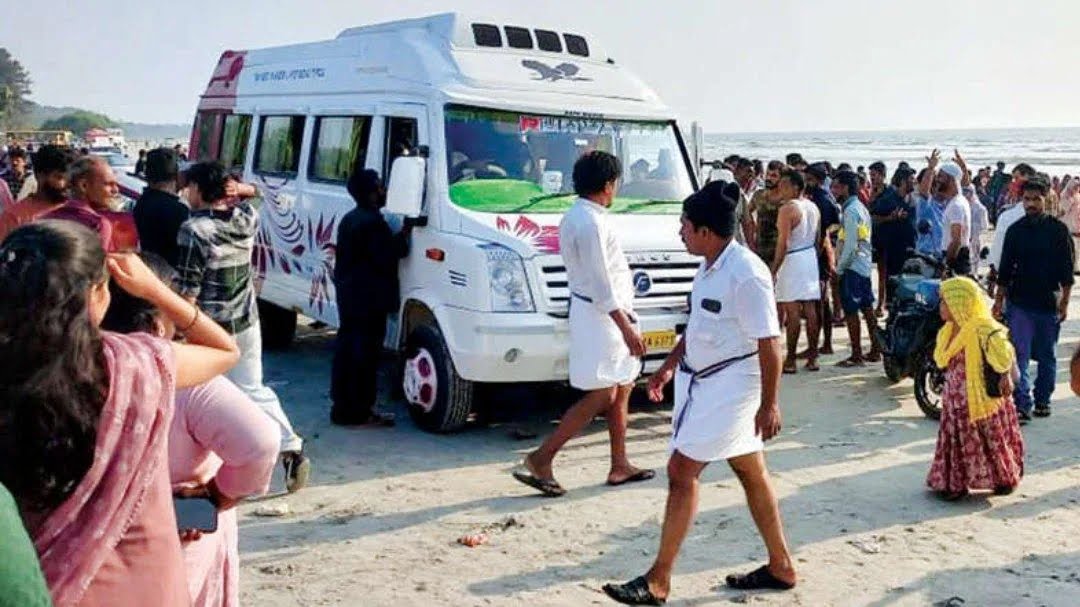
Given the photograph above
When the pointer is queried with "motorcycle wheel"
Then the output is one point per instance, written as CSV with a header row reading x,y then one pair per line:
x,y
929,384
894,369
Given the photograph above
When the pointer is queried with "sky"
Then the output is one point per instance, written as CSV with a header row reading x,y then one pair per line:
x,y
746,66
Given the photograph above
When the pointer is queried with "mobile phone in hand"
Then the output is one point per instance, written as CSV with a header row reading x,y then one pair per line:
x,y
195,514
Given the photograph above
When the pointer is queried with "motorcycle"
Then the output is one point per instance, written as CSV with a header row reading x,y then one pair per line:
x,y
910,332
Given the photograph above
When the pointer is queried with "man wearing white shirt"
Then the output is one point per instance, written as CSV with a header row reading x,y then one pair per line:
x,y
944,185
727,379
605,344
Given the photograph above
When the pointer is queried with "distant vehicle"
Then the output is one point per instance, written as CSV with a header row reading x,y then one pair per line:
x,y
105,138
117,160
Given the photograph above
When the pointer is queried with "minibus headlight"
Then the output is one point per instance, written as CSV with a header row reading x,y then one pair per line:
x,y
509,284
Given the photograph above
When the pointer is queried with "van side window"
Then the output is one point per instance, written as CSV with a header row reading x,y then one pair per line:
x,y
206,131
339,144
234,141
401,138
278,148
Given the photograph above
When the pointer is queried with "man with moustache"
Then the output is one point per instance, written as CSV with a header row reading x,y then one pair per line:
x,y
764,207
51,164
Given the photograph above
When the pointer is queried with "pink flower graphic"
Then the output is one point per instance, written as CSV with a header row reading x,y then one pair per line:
x,y
544,239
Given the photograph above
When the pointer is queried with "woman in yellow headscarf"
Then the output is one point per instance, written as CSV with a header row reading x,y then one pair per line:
x,y
979,443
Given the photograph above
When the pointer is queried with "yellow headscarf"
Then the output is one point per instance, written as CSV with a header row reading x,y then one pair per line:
x,y
977,331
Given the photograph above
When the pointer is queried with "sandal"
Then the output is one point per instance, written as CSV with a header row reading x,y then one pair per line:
x,y
548,486
789,366
759,579
873,357
852,362
811,365
634,592
637,477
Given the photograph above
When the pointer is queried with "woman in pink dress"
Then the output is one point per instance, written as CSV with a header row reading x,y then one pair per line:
x,y
979,442
86,416
220,444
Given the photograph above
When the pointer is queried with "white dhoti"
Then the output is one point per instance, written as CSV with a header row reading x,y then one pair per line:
x,y
797,279
714,416
599,357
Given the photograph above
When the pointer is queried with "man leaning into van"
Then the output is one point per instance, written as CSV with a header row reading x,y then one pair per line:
x,y
366,280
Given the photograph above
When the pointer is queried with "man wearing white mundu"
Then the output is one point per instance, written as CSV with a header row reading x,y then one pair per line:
x,y
726,389
605,343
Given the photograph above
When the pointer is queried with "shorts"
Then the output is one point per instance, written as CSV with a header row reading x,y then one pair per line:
x,y
856,292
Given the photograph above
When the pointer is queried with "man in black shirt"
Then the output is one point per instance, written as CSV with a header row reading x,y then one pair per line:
x,y
816,192
366,278
159,211
1035,280
893,227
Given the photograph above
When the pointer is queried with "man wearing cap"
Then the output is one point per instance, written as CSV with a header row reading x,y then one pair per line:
x,y
944,186
605,343
159,213
726,369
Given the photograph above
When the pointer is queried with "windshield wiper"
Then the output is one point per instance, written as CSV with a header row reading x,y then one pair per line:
x,y
538,199
649,203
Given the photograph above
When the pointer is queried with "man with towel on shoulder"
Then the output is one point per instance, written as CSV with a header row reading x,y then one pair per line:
x,y
726,395
605,343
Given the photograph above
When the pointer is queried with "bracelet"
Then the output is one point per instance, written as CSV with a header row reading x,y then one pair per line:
x,y
194,319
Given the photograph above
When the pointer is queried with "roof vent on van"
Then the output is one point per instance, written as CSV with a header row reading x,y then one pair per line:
x,y
491,36
486,34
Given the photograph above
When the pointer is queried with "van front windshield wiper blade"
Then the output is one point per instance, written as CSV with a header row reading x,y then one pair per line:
x,y
649,203
538,199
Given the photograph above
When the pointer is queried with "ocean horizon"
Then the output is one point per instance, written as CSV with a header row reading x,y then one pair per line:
x,y
1053,150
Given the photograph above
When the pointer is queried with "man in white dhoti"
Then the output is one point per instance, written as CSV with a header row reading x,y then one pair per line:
x,y
795,267
605,343
726,386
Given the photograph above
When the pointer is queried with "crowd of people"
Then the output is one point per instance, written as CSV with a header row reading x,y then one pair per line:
x,y
133,360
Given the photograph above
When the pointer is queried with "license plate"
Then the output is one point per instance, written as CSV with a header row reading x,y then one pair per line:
x,y
660,340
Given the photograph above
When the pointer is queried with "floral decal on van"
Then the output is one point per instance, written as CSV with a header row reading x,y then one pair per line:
x,y
295,238
545,239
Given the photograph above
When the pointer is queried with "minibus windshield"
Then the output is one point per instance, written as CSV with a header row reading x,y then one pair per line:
x,y
508,162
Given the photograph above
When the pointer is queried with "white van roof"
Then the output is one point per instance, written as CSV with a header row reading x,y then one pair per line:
x,y
482,62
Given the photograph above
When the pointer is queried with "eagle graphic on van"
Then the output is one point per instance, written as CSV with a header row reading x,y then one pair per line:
x,y
547,73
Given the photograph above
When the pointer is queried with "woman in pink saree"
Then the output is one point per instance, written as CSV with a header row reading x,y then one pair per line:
x,y
220,444
86,415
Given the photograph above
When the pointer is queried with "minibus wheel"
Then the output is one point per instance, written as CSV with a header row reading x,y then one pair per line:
x,y
439,400
277,324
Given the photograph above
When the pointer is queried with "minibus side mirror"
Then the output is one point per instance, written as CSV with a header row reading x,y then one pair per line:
x,y
405,193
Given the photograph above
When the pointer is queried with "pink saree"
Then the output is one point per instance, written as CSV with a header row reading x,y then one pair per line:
x,y
114,541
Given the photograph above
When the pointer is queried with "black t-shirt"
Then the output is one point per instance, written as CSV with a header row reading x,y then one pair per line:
x,y
158,216
894,236
366,263
1036,262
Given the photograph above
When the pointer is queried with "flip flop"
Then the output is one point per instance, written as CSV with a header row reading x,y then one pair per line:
x,y
849,363
549,487
811,365
637,477
634,592
873,357
790,369
758,579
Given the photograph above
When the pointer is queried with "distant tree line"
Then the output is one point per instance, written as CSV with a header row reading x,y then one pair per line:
x,y
15,104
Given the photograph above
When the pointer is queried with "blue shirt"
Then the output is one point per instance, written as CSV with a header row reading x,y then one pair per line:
x,y
928,209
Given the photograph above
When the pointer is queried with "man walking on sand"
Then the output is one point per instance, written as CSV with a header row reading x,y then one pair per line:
x,y
726,389
605,344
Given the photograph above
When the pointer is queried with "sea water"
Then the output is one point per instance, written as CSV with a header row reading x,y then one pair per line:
x,y
1055,151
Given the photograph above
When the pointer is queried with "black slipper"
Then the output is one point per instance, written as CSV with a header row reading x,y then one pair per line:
x,y
634,592
549,487
637,477
759,579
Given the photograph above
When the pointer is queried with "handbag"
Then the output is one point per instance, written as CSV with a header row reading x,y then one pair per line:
x,y
991,377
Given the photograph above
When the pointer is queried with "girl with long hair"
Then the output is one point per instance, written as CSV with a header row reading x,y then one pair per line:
x,y
84,416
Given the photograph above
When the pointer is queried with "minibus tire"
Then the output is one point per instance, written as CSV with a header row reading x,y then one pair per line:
x,y
277,324
453,395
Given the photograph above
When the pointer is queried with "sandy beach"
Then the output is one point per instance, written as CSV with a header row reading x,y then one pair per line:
x,y
380,522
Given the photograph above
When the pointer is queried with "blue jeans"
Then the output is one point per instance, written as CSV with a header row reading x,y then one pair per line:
x,y
1034,335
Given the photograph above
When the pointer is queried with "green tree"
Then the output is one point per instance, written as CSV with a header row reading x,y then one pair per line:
x,y
78,122
14,90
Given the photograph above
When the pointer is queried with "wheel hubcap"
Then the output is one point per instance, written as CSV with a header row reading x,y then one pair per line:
x,y
420,382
